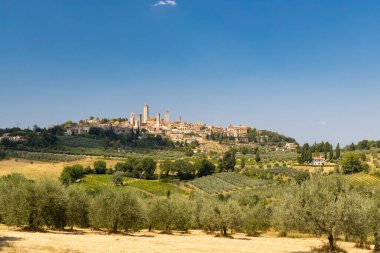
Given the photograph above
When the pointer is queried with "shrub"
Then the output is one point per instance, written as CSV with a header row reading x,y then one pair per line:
x,y
117,178
100,167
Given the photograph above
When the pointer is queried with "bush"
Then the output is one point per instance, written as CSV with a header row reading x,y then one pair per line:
x,y
100,167
117,178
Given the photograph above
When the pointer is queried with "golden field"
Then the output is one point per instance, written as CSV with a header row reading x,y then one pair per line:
x,y
37,170
12,240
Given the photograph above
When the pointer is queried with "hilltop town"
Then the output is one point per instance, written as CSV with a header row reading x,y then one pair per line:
x,y
177,130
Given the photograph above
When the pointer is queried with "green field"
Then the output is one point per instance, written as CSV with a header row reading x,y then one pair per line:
x,y
226,182
96,183
362,179
79,141
45,157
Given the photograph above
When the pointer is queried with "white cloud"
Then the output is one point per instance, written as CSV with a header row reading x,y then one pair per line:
x,y
322,123
165,3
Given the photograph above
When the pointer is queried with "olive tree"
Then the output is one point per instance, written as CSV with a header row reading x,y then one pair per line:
x,y
183,210
77,208
316,206
115,210
160,214
222,216
51,203
356,216
26,203
374,220
17,201
256,219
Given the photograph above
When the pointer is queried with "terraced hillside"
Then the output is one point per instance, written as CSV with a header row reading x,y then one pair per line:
x,y
226,182
363,179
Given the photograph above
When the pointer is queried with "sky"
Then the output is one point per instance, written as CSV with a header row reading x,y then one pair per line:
x,y
307,69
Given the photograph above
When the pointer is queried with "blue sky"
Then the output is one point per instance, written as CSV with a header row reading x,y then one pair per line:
x,y
307,69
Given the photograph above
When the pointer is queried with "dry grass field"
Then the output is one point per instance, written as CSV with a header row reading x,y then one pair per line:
x,y
326,169
37,169
12,240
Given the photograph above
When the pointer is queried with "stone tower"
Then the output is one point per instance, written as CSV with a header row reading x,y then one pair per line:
x,y
146,113
132,119
158,120
167,116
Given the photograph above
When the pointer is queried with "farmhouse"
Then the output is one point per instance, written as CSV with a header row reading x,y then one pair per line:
x,y
318,161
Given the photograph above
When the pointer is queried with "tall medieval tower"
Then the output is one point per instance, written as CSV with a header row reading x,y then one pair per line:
x,y
167,116
146,113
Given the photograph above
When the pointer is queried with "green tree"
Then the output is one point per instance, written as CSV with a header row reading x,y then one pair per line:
x,y
256,219
374,219
331,155
356,221
242,163
77,208
184,170
204,167
351,163
117,178
100,167
51,203
166,168
316,206
189,151
17,201
71,173
116,210
120,167
337,151
145,168
257,157
160,214
228,161
3,154
221,215
183,210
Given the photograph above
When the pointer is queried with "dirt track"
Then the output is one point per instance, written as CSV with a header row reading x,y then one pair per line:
x,y
12,240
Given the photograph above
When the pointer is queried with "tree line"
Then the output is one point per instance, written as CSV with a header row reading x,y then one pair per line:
x,y
318,206
307,152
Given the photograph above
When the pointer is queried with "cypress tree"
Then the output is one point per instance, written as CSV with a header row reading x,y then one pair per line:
x,y
337,151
